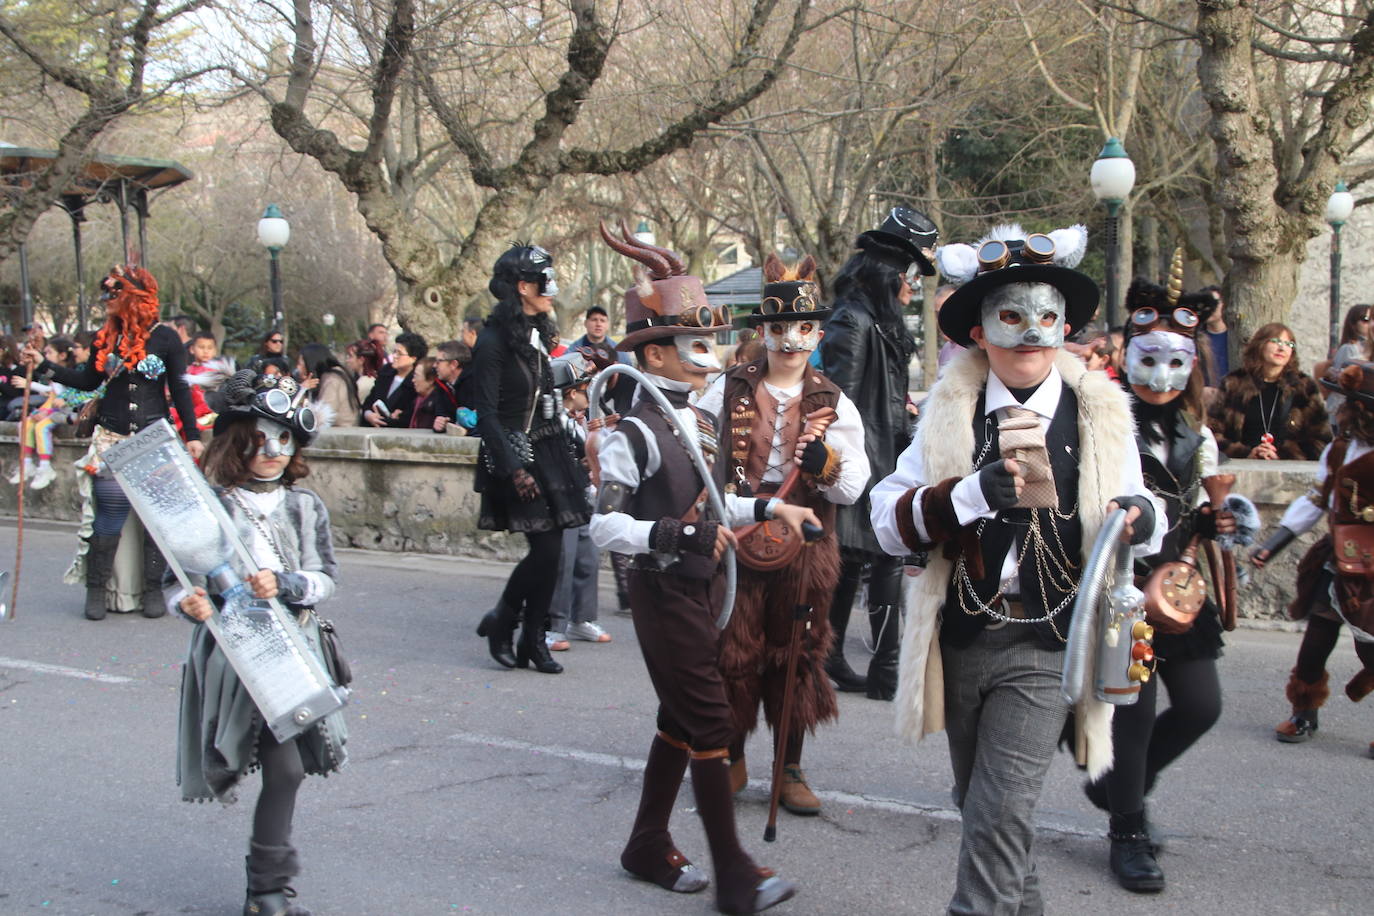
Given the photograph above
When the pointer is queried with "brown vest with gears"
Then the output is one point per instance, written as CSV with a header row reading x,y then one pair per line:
x,y
748,420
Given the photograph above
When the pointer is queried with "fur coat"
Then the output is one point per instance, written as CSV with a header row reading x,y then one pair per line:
x,y
1106,431
1306,430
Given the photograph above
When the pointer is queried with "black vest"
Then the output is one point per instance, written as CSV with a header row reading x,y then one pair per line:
x,y
1176,482
671,491
999,535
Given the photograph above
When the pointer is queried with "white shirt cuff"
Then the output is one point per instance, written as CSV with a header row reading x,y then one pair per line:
x,y
969,503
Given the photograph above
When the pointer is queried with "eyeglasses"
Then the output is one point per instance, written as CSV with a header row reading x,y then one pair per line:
x,y
1182,318
1364,320
1283,343
275,340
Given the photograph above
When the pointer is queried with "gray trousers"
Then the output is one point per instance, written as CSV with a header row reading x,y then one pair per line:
x,y
574,596
1003,714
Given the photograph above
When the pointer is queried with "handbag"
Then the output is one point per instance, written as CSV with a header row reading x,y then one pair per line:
x,y
1353,547
339,668
1175,593
85,418
519,442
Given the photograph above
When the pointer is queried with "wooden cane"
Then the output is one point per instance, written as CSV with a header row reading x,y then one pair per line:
x,y
801,621
19,520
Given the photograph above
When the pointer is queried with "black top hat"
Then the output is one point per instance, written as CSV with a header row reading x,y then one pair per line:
x,y
1018,264
1354,380
905,236
787,300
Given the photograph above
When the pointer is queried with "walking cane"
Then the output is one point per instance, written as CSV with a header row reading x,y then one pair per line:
x,y
19,520
801,621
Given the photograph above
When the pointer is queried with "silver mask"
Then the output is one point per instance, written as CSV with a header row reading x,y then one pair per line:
x,y
1160,360
792,336
1024,315
277,438
696,353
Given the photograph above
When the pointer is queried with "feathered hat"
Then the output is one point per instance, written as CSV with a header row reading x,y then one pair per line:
x,y
788,294
665,301
1007,255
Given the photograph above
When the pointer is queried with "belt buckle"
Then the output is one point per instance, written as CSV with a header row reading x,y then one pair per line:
x,y
999,623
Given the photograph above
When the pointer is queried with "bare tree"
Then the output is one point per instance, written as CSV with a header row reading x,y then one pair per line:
x,y
511,114
108,69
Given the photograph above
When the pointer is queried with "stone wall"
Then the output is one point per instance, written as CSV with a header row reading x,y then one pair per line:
x,y
403,490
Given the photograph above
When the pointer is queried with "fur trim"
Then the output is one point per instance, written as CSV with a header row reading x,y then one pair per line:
x,y
1248,522
1360,685
959,262
1070,245
1305,696
945,438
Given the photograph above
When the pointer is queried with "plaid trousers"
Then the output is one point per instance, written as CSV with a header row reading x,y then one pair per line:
x,y
1003,713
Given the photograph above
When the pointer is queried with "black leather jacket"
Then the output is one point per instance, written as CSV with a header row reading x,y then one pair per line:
x,y
132,401
869,360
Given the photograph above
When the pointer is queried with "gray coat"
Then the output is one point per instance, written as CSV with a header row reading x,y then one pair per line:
x,y
219,724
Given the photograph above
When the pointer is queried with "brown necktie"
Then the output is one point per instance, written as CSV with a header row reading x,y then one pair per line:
x,y
1020,438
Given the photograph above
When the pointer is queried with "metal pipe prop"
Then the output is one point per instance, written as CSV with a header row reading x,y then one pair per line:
x,y
717,501
1078,655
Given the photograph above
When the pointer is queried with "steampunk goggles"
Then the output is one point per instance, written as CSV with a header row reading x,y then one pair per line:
x,y
703,316
1180,320
1034,249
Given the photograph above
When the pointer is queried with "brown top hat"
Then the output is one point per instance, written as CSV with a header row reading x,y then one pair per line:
x,y
665,301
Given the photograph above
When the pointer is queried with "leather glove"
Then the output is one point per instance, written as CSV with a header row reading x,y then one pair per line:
x,y
1144,525
1272,547
998,485
526,487
814,457
673,535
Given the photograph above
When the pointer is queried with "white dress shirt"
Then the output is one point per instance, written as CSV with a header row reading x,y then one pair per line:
x,y
1303,512
967,494
620,531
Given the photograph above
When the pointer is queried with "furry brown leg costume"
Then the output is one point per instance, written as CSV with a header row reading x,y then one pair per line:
x,y
753,653
1306,699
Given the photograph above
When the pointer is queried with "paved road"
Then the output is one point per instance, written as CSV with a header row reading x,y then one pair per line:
x,y
478,790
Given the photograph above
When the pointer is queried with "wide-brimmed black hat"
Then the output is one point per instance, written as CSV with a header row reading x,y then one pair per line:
x,y
906,235
787,300
1041,262
1354,380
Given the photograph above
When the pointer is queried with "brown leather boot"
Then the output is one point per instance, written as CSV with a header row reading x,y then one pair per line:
x,y
1360,685
796,795
739,775
1306,699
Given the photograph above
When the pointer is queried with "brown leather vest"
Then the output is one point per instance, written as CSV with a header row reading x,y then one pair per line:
x,y
748,419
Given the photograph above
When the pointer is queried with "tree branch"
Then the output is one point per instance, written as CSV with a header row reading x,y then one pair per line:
x,y
717,106
396,46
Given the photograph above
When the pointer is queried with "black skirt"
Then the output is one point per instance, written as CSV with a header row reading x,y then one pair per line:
x,y
1203,640
562,500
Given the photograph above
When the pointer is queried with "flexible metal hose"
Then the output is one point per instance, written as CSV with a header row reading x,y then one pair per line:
x,y
1108,551
595,412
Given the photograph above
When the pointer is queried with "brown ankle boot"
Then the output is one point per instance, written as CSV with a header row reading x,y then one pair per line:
x,y
739,776
796,795
1360,685
1306,699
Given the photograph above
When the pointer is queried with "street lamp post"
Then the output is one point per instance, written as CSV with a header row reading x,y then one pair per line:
x,y
1112,177
328,319
644,234
1339,206
273,234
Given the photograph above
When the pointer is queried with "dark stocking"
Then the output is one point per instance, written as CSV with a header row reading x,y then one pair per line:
x,y
271,857
532,582
1194,707
1317,644
111,506
792,756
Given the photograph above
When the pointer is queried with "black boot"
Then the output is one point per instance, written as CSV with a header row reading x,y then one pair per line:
x,y
1133,857
100,554
650,854
269,868
532,647
154,565
841,606
882,670
498,626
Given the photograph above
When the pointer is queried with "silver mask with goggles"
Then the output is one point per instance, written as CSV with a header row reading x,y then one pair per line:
x,y
1160,360
697,354
1024,315
278,407
538,268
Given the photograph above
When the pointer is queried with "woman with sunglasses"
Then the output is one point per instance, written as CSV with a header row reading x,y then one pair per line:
x,y
1355,345
1268,408
526,473
138,363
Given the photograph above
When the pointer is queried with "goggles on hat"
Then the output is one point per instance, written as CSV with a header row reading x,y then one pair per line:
x,y
772,305
1181,320
703,316
1034,249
